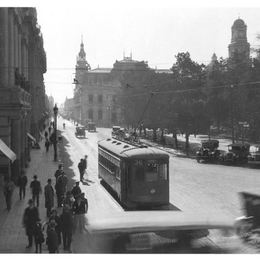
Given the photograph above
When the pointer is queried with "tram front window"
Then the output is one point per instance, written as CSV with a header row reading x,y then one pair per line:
x,y
150,171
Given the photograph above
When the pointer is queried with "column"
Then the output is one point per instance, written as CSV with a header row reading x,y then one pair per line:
x,y
4,46
11,49
28,126
16,55
19,50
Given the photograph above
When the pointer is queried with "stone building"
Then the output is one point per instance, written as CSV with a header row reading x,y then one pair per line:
x,y
96,90
22,91
239,44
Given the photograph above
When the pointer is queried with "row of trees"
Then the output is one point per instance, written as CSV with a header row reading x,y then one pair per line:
x,y
195,97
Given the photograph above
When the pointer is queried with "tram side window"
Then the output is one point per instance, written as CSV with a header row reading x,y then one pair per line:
x,y
107,164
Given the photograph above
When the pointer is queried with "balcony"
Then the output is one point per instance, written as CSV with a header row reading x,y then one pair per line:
x,y
15,96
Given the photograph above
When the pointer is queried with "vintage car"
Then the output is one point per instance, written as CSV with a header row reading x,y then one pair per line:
x,y
254,156
237,153
157,232
209,151
80,131
91,127
115,130
248,226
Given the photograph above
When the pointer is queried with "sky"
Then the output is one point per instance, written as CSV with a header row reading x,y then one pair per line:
x,y
153,31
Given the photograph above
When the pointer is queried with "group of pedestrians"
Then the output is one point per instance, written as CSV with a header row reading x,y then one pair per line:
x,y
58,228
49,136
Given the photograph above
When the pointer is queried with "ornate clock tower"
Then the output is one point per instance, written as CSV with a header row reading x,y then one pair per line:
x,y
239,44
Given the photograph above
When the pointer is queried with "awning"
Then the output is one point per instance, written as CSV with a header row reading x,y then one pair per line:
x,y
7,151
31,137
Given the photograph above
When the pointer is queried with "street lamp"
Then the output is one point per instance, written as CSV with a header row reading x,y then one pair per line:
x,y
55,111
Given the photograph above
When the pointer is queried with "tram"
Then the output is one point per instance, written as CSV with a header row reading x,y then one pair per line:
x,y
137,175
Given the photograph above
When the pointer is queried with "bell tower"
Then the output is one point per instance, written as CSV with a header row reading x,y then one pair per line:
x,y
239,45
81,58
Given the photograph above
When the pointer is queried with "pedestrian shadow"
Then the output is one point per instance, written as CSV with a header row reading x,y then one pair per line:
x,y
87,182
66,160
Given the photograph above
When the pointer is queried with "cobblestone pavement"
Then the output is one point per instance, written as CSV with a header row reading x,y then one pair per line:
x,y
12,234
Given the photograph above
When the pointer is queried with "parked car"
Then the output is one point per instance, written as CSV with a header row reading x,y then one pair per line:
x,y
254,156
209,151
91,127
80,131
237,153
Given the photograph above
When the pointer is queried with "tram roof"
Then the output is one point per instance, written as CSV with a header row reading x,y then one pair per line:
x,y
127,150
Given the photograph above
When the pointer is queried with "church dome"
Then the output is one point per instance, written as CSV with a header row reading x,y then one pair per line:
x,y
239,23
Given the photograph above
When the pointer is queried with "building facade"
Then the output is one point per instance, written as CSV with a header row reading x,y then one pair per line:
x,y
96,91
22,91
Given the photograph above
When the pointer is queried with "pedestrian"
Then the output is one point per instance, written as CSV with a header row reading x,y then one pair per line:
x,y
38,237
52,239
81,171
84,164
47,145
61,188
49,197
9,187
80,208
69,200
56,219
59,171
22,182
30,218
76,191
36,189
46,135
66,220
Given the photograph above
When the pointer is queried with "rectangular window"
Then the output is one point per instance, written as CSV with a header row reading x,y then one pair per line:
x,y
100,115
90,98
90,114
149,171
100,98
109,163
114,98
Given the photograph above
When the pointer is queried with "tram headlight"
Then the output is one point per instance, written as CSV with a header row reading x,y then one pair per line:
x,y
152,191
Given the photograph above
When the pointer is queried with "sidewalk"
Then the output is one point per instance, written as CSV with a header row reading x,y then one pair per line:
x,y
12,234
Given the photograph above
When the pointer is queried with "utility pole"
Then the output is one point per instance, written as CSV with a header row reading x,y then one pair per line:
x,y
232,115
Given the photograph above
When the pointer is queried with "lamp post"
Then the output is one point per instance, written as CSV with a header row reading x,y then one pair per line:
x,y
55,111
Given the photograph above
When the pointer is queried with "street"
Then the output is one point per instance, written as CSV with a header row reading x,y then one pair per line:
x,y
193,186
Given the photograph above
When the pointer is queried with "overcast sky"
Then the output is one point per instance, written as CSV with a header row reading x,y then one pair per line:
x,y
154,31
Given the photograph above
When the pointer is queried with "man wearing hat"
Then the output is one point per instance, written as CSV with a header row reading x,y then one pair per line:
x,y
30,219
76,191
49,197
36,189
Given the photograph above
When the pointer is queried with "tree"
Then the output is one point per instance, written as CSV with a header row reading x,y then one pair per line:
x,y
191,77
